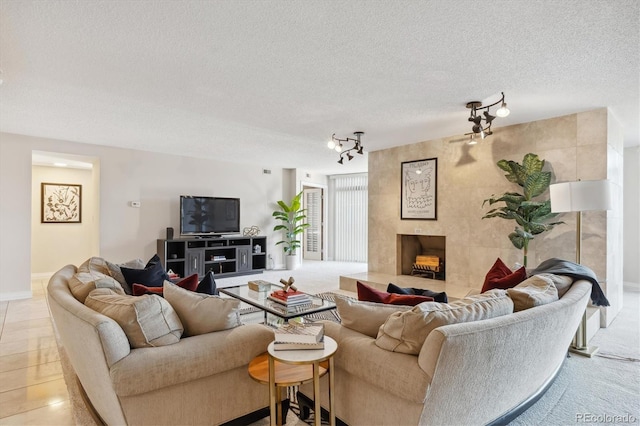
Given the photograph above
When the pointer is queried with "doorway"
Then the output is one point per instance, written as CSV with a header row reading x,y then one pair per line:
x,y
54,245
313,235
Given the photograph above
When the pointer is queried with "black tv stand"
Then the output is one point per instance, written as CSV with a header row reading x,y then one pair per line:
x,y
223,255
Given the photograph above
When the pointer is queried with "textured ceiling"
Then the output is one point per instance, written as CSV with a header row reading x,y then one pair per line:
x,y
268,82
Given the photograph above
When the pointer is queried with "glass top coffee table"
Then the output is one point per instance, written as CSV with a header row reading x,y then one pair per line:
x,y
260,300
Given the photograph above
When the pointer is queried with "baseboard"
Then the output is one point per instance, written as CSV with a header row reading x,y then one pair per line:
x,y
631,285
15,295
41,275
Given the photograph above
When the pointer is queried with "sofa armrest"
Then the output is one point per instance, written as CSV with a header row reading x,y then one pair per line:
x,y
513,356
148,369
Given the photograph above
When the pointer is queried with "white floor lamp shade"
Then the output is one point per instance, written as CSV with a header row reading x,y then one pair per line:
x,y
578,197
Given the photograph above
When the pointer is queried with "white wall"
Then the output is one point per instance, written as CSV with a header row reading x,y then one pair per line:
x,y
47,252
631,236
156,180
15,219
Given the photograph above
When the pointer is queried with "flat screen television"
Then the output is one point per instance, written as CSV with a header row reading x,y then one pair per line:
x,y
208,216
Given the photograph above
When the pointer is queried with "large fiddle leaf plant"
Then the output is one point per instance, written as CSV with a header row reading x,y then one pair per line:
x,y
532,216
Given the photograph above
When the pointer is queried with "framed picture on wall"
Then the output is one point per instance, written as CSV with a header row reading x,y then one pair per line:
x,y
61,203
419,191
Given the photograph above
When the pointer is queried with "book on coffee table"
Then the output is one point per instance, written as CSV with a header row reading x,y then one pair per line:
x,y
290,298
259,285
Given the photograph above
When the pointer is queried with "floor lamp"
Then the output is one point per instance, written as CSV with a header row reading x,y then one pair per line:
x,y
578,197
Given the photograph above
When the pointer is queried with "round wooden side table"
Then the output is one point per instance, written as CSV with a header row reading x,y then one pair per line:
x,y
280,369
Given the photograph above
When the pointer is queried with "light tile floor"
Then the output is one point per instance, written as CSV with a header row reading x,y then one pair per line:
x,y
32,388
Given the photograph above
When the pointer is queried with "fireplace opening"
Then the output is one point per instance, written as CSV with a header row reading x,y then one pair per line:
x,y
422,256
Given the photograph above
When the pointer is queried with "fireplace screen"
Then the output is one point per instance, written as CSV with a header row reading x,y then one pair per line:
x,y
422,256
426,266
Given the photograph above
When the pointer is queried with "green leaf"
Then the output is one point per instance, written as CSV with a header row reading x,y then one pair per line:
x,y
536,183
532,164
284,206
513,170
516,240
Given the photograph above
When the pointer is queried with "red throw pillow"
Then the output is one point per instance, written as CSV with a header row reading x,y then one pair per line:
x,y
500,276
189,283
370,294
140,289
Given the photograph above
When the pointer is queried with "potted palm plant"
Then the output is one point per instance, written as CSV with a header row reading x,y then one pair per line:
x,y
291,216
531,215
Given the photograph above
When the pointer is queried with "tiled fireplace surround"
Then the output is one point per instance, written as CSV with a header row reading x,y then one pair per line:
x,y
586,146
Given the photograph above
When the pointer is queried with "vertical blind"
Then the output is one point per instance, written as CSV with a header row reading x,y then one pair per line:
x,y
350,217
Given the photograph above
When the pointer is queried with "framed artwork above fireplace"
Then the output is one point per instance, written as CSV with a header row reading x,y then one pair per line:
x,y
419,189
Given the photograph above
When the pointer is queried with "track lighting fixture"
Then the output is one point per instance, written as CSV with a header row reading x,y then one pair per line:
x,y
336,144
477,115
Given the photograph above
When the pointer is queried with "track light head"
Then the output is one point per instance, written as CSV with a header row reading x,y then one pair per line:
x,y
503,111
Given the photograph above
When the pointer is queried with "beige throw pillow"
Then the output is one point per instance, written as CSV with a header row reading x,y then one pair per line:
x,y
406,332
147,320
562,282
83,283
94,264
116,272
534,291
365,317
202,313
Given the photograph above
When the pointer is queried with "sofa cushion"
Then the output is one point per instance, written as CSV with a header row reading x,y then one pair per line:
x,y
189,283
365,317
83,283
152,275
437,297
370,294
202,313
116,272
405,332
500,276
534,291
147,320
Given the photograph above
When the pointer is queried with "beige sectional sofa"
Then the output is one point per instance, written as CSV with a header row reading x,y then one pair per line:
x,y
478,372
200,379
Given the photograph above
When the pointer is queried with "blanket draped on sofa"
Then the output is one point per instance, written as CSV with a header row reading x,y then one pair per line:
x,y
575,271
